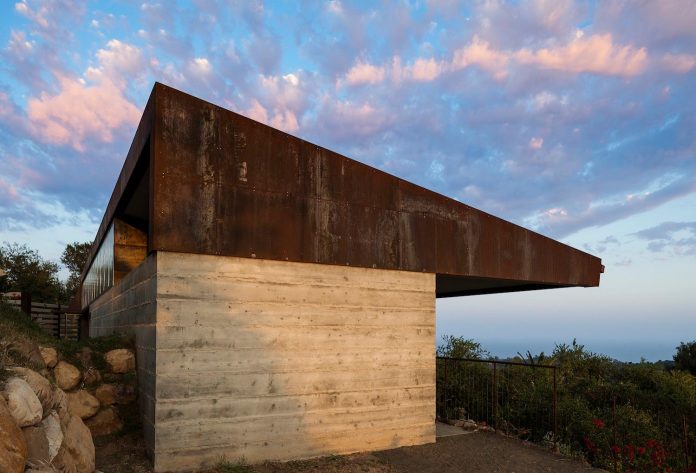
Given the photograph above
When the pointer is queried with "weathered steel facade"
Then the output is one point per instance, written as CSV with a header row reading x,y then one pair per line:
x,y
202,179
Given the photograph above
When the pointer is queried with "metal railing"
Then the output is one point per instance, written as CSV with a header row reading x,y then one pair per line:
x,y
512,397
627,429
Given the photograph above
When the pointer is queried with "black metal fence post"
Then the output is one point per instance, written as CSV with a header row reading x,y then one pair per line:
x,y
613,429
555,408
495,395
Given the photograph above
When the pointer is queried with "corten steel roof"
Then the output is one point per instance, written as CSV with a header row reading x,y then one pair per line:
x,y
202,179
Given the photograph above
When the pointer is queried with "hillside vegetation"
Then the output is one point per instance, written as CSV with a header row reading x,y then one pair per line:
x,y
627,417
60,399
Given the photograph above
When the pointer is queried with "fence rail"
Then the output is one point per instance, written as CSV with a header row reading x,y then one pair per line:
x,y
618,428
512,397
53,318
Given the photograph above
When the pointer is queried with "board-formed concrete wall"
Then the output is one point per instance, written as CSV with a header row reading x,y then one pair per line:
x,y
129,308
267,360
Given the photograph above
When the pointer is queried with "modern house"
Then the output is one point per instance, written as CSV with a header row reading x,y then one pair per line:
x,y
282,296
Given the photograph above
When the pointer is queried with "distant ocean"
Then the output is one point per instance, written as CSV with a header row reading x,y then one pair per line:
x,y
624,350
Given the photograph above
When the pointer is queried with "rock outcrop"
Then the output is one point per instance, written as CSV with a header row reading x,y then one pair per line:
x,y
82,404
37,445
22,402
67,375
54,434
40,385
106,393
13,447
49,355
41,423
120,360
76,454
105,423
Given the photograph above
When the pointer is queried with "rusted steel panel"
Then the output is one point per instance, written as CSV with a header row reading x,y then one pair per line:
x,y
229,185
224,184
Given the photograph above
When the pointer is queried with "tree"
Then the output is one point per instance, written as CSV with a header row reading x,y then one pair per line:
x,y
459,347
74,258
28,272
685,358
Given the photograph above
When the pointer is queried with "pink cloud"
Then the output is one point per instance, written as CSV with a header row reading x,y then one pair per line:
x,y
364,73
200,67
536,143
281,101
395,70
285,120
39,16
257,112
596,54
120,59
347,120
426,70
479,53
10,113
46,15
283,92
8,192
79,112
366,118
680,63
19,45
555,14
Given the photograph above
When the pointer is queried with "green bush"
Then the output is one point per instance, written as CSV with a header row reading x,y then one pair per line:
x,y
628,417
624,416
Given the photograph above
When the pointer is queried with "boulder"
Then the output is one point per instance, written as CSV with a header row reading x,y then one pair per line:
x,y
76,454
40,385
67,376
60,404
120,360
54,434
106,393
29,350
105,422
109,394
13,447
37,445
49,355
82,404
23,404
92,376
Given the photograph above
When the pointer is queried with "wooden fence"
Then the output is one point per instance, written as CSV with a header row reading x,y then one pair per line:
x,y
53,318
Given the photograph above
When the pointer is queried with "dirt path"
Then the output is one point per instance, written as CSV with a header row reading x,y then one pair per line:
x,y
476,453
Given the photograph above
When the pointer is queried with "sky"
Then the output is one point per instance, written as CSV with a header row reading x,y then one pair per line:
x,y
573,118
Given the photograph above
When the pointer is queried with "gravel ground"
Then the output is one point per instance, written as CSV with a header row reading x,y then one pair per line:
x,y
476,452
479,452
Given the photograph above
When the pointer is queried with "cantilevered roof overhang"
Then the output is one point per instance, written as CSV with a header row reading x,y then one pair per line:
x,y
202,179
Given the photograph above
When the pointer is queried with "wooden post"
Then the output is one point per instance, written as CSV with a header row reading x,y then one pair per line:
x,y
25,303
